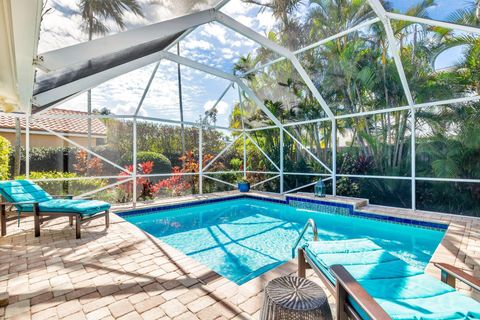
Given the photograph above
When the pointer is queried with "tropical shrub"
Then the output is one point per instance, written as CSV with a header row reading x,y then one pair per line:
x,y
147,187
236,164
161,164
347,187
176,185
4,158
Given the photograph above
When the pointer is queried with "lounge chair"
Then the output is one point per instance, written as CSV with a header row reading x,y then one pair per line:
x,y
29,199
370,283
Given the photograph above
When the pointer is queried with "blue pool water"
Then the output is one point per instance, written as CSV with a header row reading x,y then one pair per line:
x,y
243,238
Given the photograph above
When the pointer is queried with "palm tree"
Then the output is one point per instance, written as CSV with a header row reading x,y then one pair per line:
x,y
288,24
281,9
467,71
94,14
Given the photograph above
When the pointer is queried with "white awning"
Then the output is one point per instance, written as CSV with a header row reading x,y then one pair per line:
x,y
19,32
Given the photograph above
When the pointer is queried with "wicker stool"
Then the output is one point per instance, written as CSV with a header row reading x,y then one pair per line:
x,y
294,298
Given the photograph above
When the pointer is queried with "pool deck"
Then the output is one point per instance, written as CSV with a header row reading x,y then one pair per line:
x,y
124,273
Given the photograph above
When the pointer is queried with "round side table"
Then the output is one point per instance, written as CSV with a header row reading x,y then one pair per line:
x,y
294,298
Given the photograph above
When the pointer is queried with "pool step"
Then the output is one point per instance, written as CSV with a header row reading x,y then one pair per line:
x,y
356,202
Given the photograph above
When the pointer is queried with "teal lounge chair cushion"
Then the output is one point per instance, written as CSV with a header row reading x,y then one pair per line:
x,y
83,207
23,191
402,290
27,191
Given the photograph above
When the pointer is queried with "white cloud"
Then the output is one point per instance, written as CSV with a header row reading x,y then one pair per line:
x,y
266,20
216,31
60,28
236,43
254,16
222,107
237,7
227,53
246,20
126,110
161,10
198,44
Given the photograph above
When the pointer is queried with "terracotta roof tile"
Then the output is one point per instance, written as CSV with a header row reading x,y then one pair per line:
x,y
70,125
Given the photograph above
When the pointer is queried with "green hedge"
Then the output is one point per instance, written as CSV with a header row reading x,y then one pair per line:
x,y
47,159
4,158
63,159
161,164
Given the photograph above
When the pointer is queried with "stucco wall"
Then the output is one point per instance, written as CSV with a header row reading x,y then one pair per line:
x,y
41,140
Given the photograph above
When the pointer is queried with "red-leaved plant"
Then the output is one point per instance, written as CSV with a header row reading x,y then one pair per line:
x,y
176,184
147,188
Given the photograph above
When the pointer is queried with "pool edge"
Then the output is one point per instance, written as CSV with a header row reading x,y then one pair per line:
x,y
350,209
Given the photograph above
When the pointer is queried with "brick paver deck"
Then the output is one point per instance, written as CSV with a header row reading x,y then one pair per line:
x,y
125,273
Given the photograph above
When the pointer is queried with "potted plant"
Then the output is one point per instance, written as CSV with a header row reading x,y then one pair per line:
x,y
243,185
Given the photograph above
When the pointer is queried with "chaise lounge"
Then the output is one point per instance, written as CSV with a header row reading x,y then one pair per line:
x,y
30,199
370,283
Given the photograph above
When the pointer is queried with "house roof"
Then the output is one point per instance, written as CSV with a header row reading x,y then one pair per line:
x,y
65,125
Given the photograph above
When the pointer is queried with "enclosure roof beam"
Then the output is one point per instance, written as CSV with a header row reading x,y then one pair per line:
x,y
171,45
261,150
221,74
62,93
394,49
85,51
145,91
188,123
252,35
198,66
433,23
308,151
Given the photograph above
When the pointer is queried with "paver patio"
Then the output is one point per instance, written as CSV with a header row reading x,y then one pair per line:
x,y
125,273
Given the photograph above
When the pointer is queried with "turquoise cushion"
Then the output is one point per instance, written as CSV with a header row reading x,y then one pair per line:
x,y
450,305
23,191
403,291
83,207
343,246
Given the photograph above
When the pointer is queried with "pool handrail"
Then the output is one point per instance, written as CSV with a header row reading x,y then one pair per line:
x,y
449,275
311,223
346,286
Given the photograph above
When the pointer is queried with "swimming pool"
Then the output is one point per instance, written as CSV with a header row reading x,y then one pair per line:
x,y
243,238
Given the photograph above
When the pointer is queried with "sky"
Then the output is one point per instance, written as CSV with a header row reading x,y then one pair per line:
x,y
210,44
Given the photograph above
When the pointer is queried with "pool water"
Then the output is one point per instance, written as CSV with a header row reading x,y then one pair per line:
x,y
243,238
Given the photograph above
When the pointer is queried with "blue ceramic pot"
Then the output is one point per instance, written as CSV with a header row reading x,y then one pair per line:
x,y
243,186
